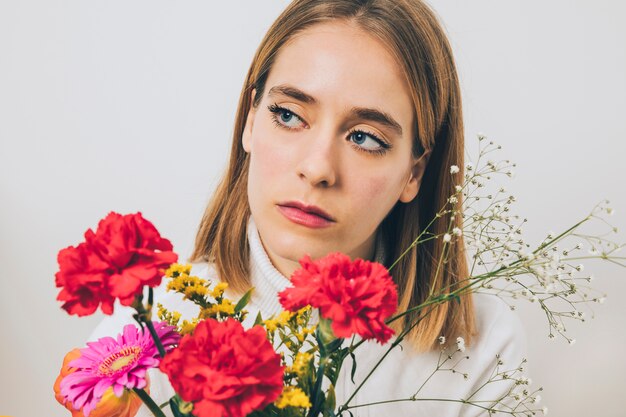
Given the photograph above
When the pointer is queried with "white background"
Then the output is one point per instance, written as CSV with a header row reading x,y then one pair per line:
x,y
129,106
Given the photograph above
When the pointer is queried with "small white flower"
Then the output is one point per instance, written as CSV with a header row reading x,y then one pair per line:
x,y
537,399
601,300
442,340
580,267
447,237
610,211
453,200
460,343
457,232
572,341
544,410
454,169
458,188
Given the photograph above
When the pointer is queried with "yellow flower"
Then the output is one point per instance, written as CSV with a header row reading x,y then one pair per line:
x,y
188,326
177,269
195,289
218,291
171,317
294,397
224,308
188,285
270,324
301,363
284,317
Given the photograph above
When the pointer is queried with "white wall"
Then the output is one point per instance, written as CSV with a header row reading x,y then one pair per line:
x,y
129,106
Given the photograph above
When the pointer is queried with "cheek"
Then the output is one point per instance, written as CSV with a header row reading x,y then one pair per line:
x,y
375,195
269,160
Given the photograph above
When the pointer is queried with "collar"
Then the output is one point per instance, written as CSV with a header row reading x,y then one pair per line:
x,y
268,281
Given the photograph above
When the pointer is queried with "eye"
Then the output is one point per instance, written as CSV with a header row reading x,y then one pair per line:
x,y
368,142
283,117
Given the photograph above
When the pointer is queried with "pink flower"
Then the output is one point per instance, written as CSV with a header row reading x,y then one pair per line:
x,y
357,296
118,363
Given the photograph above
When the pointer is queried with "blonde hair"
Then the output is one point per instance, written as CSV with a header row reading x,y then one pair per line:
x,y
412,33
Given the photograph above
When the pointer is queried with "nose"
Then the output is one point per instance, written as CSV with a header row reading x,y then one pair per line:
x,y
318,163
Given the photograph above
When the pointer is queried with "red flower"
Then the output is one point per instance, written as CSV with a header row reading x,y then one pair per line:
x,y
124,254
357,296
225,370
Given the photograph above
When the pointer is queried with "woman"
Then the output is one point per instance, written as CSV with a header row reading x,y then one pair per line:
x,y
347,126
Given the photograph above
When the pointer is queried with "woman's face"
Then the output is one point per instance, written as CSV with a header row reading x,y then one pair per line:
x,y
333,130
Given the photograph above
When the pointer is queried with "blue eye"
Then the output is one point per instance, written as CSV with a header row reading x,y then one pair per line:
x,y
285,116
368,142
363,141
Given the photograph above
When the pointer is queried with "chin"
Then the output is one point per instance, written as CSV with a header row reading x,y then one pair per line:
x,y
294,247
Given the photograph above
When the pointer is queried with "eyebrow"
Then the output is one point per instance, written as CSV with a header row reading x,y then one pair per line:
x,y
365,113
293,93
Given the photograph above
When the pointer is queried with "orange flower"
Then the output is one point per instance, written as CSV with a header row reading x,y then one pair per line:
x,y
109,406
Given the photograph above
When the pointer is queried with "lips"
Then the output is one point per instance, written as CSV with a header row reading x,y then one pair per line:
x,y
311,209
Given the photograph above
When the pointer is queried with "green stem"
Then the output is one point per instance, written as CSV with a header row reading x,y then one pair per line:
x,y
149,402
143,315
395,343
421,399
317,388
416,241
155,336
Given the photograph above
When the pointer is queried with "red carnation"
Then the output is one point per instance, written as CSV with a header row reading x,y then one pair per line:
x,y
357,296
125,253
225,370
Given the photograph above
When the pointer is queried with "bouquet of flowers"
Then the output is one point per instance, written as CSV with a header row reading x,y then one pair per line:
x,y
288,364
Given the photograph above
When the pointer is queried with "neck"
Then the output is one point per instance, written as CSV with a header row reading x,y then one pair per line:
x,y
370,250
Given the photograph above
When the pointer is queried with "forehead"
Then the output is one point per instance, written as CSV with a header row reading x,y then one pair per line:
x,y
342,66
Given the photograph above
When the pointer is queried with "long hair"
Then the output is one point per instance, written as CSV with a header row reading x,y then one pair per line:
x,y
413,35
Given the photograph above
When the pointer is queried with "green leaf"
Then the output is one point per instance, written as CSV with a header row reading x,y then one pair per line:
x,y
325,333
243,301
179,407
353,371
259,319
331,400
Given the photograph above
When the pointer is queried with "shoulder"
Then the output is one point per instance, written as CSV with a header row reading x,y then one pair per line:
x,y
494,317
499,330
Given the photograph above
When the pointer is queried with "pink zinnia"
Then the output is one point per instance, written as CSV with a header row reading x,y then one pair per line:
x,y
119,363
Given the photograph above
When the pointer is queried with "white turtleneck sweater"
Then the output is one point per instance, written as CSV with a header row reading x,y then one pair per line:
x,y
401,373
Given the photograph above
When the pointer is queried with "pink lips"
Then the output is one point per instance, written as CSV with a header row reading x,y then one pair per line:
x,y
310,216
